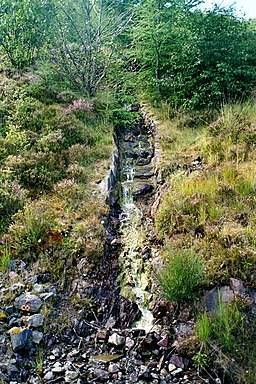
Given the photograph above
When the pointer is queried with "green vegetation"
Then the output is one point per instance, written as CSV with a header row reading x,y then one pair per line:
x,y
69,72
181,275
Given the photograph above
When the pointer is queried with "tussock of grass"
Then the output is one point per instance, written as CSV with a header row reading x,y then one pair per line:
x,y
181,275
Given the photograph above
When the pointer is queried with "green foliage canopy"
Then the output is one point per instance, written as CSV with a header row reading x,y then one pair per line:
x,y
24,28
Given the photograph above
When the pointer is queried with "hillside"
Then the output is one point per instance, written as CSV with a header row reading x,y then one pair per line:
x,y
127,193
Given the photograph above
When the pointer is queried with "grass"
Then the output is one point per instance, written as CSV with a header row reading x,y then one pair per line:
x,y
181,276
212,210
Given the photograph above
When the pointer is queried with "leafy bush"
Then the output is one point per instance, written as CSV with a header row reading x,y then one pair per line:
x,y
181,276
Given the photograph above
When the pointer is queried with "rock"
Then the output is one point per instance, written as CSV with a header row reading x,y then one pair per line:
x,y
56,352
177,361
102,334
177,371
113,368
171,367
38,288
46,296
144,173
13,276
3,316
20,338
116,340
105,358
70,376
32,279
57,368
129,343
163,372
37,337
101,374
143,190
211,298
18,287
111,322
35,321
48,376
28,302
81,328
164,341
237,287
10,309
13,372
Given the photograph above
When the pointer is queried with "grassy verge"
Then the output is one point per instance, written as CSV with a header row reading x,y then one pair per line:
x,y
209,163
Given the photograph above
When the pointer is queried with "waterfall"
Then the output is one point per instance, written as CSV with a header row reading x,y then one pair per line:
x,y
133,239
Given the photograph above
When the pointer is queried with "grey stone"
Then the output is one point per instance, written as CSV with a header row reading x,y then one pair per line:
x,y
116,339
57,368
20,338
38,288
237,286
37,336
211,298
143,190
28,302
46,296
48,376
113,368
177,361
36,320
129,343
32,279
18,287
70,376
101,374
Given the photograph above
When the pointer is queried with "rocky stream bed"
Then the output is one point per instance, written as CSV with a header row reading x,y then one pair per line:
x,y
122,331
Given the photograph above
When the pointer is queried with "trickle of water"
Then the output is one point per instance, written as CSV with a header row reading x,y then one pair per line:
x,y
134,234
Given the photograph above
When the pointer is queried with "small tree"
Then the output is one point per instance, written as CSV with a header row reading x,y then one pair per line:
x,y
84,48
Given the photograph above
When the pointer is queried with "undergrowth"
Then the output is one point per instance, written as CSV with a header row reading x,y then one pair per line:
x,y
209,167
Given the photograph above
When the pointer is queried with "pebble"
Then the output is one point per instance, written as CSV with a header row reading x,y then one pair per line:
x,y
70,376
48,376
116,339
171,367
37,336
57,368
38,288
129,343
35,321
113,368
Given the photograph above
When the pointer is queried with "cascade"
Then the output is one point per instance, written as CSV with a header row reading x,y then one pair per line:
x,y
136,183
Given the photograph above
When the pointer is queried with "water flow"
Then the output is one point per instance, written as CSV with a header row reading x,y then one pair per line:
x,y
133,238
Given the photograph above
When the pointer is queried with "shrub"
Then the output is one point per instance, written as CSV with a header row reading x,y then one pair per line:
x,y
32,225
12,198
181,276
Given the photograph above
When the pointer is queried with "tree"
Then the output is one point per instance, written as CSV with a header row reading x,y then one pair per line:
x,y
24,28
84,48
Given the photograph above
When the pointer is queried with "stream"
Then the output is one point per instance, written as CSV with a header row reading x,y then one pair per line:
x,y
136,176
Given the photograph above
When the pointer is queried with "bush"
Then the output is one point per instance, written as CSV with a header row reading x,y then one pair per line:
x,y
182,276
12,198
